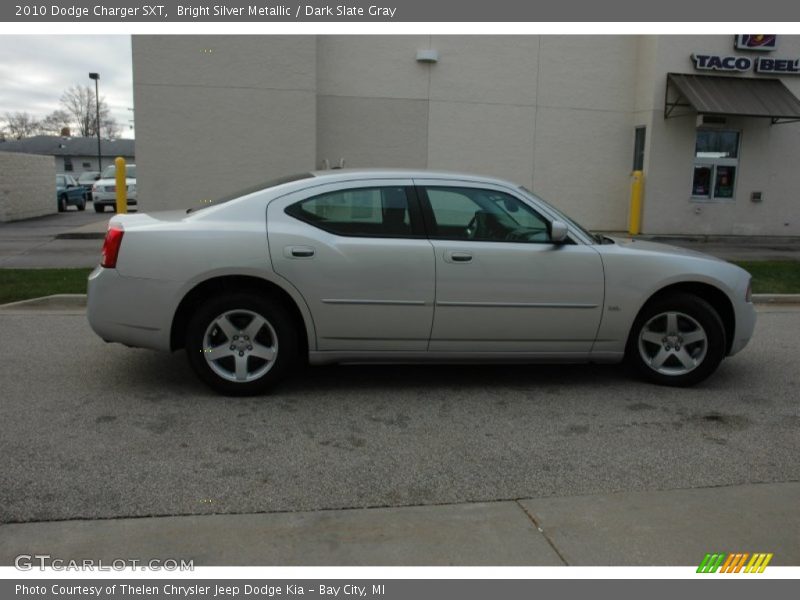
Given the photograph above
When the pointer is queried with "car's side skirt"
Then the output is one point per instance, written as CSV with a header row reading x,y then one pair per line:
x,y
386,357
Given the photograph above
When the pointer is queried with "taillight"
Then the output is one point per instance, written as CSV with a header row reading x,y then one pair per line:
x,y
111,247
748,295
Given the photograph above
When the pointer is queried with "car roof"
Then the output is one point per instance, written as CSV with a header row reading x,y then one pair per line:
x,y
349,174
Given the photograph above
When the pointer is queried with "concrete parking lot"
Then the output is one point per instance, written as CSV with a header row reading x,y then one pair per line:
x,y
33,243
90,430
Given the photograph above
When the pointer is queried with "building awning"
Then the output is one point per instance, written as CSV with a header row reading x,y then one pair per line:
x,y
742,96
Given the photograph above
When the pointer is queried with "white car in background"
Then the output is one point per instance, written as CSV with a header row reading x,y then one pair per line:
x,y
104,190
407,266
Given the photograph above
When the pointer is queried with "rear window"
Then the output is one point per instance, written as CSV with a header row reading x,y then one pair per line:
x,y
253,188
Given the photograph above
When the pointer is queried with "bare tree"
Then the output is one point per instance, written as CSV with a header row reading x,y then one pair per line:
x,y
79,102
20,125
110,128
55,123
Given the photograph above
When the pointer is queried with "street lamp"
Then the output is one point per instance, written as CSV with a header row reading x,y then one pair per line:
x,y
96,77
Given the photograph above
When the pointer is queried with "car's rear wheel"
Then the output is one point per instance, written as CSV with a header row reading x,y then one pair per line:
x,y
241,344
99,208
82,204
677,340
62,203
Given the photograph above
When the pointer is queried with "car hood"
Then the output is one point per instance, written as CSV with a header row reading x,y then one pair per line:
x,y
128,180
658,248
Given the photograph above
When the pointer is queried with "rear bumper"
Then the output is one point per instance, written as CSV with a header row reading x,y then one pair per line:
x,y
131,311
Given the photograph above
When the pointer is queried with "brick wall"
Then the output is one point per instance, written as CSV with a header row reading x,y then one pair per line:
x,y
27,186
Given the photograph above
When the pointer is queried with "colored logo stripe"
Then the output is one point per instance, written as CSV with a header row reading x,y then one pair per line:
x,y
734,562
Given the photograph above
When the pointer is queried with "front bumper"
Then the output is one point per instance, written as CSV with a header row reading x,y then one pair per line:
x,y
108,199
745,325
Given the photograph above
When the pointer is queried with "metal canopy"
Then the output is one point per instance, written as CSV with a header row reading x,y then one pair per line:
x,y
742,96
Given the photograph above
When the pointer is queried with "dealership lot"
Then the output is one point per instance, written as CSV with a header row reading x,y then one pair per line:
x,y
91,430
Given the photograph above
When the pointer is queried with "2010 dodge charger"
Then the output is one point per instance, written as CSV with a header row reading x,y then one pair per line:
x,y
407,266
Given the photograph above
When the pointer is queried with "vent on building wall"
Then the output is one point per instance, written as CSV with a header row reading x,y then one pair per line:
x,y
428,56
326,164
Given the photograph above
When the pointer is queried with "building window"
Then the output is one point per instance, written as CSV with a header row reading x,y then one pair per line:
x,y
87,165
638,149
67,163
716,159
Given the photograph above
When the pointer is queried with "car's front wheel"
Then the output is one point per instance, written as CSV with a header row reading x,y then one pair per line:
x,y
677,340
62,203
241,344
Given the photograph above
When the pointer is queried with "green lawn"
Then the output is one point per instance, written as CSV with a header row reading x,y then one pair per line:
x,y
20,284
769,277
773,276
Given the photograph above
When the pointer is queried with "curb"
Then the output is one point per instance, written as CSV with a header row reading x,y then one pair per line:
x,y
54,302
78,301
80,235
776,298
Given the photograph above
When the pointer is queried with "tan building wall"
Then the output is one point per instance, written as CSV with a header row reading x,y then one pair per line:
x,y
554,113
219,113
768,154
27,186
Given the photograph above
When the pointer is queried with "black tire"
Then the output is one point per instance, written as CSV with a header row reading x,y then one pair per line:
x,y
99,208
62,203
695,318
82,204
239,308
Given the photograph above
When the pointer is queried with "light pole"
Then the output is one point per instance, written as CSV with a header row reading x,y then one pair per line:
x,y
96,77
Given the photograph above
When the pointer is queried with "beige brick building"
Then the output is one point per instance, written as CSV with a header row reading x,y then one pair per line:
x,y
558,114
27,186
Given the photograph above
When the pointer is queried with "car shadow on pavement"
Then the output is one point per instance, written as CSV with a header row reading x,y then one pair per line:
x,y
170,374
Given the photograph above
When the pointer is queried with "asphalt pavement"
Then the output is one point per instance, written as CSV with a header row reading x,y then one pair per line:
x,y
91,430
35,243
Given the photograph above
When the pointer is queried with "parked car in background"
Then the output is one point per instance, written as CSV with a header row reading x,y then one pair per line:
x,y
86,180
104,190
69,193
407,266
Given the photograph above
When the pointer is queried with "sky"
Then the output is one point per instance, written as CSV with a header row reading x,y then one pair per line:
x,y
36,69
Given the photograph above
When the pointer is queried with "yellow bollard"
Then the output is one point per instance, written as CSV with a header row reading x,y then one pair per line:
x,y
635,221
122,186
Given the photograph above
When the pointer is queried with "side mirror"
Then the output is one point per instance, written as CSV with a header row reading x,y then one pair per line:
x,y
558,232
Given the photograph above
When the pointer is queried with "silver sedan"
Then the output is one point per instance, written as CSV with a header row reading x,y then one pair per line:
x,y
407,266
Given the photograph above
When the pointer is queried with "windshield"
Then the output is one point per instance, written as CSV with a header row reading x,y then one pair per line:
x,y
88,176
562,216
110,170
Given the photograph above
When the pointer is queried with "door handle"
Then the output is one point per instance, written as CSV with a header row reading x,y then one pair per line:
x,y
298,252
460,257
